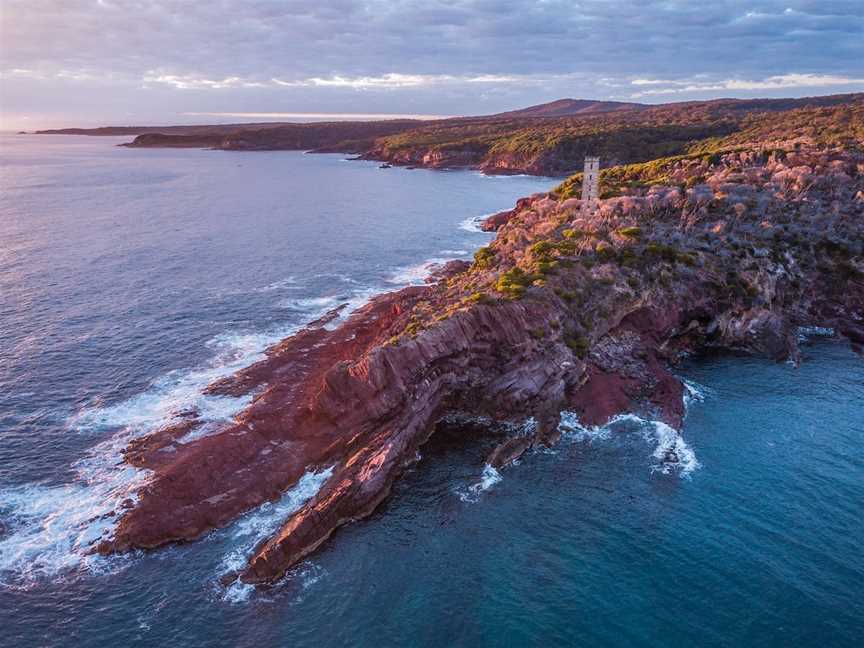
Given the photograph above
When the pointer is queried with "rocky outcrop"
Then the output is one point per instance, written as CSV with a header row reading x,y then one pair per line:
x,y
559,313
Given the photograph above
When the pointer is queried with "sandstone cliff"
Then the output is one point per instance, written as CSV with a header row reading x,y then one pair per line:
x,y
732,250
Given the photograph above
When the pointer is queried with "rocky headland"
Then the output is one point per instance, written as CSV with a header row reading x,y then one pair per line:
x,y
734,247
549,139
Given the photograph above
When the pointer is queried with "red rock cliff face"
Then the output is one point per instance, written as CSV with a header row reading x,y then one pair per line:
x,y
560,313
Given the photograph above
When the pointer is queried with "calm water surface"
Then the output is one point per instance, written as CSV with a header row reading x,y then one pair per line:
x,y
130,278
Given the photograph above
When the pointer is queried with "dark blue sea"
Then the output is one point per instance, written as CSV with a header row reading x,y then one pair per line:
x,y
131,278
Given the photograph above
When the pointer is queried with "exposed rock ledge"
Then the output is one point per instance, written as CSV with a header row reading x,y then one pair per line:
x,y
558,313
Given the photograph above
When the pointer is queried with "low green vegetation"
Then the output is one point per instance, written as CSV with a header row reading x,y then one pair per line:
x,y
578,345
484,257
630,232
479,298
515,282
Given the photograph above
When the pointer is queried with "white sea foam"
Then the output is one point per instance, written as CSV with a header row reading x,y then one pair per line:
x,y
180,391
288,283
416,275
502,176
528,427
309,573
693,392
806,332
256,526
472,224
671,451
53,529
310,305
338,275
670,454
488,478
358,299
570,427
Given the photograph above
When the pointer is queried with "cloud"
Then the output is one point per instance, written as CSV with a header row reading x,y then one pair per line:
x,y
448,56
779,82
188,81
388,81
393,80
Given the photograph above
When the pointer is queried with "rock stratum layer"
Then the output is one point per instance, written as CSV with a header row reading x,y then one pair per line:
x,y
733,249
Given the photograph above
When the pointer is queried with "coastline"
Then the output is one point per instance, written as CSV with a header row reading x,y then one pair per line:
x,y
508,344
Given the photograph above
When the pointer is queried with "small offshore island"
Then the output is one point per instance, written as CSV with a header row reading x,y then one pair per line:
x,y
735,225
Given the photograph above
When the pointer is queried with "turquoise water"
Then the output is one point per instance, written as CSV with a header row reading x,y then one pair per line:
x,y
130,278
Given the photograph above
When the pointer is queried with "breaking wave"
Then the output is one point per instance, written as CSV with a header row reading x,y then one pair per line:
x,y
807,332
179,392
472,223
693,392
670,453
416,275
310,305
262,523
52,530
338,276
488,478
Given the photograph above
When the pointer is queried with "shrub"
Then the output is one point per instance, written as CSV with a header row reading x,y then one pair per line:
x,y
630,232
542,249
605,252
545,267
573,233
566,247
514,282
484,257
478,298
578,345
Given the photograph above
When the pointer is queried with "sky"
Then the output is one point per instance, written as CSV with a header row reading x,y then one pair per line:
x,y
116,62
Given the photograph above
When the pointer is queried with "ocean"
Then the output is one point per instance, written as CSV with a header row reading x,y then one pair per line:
x,y
131,278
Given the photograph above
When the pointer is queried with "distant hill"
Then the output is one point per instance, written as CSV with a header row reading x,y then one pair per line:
x,y
547,139
542,143
568,107
200,130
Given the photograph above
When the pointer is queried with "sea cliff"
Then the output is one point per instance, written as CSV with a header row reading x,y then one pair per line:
x,y
734,248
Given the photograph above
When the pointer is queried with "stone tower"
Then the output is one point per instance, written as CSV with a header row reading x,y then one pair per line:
x,y
590,183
